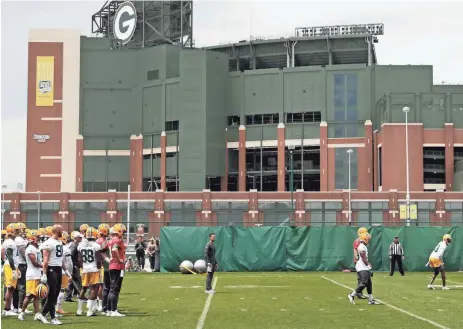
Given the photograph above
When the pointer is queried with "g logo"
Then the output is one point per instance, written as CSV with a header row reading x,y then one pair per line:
x,y
125,22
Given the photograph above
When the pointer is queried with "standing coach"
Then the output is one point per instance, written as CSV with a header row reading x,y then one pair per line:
x,y
396,254
211,263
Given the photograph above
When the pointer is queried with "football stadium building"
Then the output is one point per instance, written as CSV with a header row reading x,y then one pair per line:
x,y
309,129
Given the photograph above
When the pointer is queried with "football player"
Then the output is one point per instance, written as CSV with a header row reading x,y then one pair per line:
x,y
52,269
83,229
10,271
103,287
65,279
364,271
33,273
116,269
20,259
356,243
90,254
436,260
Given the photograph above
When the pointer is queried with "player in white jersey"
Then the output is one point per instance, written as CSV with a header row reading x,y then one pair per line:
x,y
20,259
10,270
33,274
436,261
83,230
364,271
90,254
65,278
52,269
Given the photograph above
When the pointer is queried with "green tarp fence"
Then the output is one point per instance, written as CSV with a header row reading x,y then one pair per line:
x,y
242,249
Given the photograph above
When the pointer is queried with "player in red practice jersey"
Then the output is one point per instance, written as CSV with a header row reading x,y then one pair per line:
x,y
116,269
355,245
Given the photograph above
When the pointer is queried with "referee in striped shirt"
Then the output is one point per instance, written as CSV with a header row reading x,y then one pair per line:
x,y
396,254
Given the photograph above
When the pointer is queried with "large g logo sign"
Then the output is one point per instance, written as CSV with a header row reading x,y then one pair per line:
x,y
125,22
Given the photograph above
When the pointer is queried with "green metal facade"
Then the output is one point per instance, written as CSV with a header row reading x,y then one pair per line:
x,y
139,91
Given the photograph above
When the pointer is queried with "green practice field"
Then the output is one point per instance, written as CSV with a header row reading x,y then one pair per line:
x,y
274,300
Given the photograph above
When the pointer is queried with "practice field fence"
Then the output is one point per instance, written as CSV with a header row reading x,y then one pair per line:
x,y
305,248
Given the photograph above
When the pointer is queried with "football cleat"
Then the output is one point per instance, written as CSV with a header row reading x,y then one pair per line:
x,y
56,322
28,312
445,288
21,316
430,286
116,313
40,317
373,302
90,313
351,299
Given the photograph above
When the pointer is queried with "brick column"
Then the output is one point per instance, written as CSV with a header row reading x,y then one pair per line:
x,y
392,216
14,215
440,217
375,161
323,156
242,159
206,216
79,163
281,158
253,216
368,156
301,217
449,157
111,216
342,217
163,160
63,217
224,178
159,217
136,163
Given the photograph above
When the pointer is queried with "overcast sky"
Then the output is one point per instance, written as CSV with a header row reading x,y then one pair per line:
x,y
416,32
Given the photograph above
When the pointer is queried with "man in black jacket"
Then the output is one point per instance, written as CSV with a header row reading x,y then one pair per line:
x,y
211,263
76,282
140,247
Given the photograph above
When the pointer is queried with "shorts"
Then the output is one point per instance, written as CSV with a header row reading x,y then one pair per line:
x,y
8,276
435,263
90,279
64,281
31,287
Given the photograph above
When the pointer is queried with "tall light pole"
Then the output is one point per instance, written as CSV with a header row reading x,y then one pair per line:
x,y
406,109
349,152
3,206
291,179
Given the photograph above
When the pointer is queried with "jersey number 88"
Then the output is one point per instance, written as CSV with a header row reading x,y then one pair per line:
x,y
88,256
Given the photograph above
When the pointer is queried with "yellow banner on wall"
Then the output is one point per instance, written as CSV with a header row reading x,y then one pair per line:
x,y
45,82
412,212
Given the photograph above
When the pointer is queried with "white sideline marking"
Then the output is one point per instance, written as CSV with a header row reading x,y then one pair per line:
x,y
283,310
165,310
241,297
243,310
143,299
430,277
435,324
252,287
361,309
202,318
177,298
404,297
274,298
440,310
306,297
322,309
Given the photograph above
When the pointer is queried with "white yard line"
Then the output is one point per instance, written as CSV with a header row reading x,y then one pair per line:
x,y
435,324
447,280
202,318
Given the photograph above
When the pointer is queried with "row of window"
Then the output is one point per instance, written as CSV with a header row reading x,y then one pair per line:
x,y
231,206
263,119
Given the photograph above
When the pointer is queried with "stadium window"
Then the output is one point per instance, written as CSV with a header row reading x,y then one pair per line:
x,y
258,119
233,120
172,125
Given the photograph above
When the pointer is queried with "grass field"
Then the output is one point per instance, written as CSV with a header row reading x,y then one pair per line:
x,y
274,300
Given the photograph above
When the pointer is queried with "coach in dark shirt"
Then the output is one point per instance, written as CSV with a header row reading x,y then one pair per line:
x,y
76,282
211,262
396,254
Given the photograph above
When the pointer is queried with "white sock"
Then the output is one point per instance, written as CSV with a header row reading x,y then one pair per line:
x,y
370,297
80,302
100,303
90,305
60,301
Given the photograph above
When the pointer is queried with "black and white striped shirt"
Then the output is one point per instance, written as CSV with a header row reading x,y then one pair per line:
x,y
396,249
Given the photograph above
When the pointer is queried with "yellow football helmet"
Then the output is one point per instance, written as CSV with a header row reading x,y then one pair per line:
x,y
91,233
49,230
64,237
32,235
41,232
117,229
123,227
103,229
83,228
362,230
365,237
447,238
